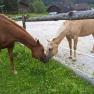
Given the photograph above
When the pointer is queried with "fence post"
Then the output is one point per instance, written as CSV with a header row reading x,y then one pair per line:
x,y
23,21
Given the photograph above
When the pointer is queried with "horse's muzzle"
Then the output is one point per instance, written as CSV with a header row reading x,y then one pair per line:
x,y
47,58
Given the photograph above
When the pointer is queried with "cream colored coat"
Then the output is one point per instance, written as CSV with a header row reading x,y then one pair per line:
x,y
72,30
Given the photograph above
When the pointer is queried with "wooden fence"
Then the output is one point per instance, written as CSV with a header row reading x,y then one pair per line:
x,y
73,15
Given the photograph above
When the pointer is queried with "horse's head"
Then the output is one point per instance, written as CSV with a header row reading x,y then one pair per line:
x,y
52,48
38,52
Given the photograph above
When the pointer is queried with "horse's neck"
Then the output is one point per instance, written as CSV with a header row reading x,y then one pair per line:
x,y
16,32
59,38
27,40
23,36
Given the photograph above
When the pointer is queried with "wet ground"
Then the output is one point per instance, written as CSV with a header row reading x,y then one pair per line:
x,y
84,66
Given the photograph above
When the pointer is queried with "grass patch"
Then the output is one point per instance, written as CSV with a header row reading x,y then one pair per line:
x,y
30,14
34,77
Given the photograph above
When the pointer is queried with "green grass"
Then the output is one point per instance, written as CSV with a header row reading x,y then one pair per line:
x,y
30,14
34,77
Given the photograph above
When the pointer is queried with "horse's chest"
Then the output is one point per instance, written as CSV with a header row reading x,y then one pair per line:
x,y
71,34
5,42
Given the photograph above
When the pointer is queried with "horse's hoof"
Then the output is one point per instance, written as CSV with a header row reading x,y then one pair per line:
x,y
92,51
74,59
15,72
70,57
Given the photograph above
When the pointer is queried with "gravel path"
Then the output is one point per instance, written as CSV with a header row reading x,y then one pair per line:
x,y
84,66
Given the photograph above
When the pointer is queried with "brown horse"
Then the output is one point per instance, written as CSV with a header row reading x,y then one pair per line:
x,y
10,33
72,30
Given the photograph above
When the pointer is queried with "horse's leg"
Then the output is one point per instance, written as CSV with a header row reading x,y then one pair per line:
x,y
93,45
70,46
0,56
10,52
75,47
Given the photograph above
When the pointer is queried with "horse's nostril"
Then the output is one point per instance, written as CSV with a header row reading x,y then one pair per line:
x,y
49,56
46,58
45,61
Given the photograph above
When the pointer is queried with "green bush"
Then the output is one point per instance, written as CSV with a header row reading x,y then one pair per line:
x,y
38,6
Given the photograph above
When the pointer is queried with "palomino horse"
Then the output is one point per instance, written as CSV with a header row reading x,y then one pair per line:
x,y
72,30
10,33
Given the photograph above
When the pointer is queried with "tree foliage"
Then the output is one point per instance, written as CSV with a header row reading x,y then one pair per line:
x,y
11,5
1,2
38,6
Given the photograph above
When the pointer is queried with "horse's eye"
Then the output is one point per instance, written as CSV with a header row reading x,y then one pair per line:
x,y
50,49
43,50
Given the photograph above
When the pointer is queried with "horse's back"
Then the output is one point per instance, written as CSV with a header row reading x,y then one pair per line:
x,y
80,27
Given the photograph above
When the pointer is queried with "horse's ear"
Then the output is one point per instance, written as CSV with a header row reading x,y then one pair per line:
x,y
38,42
48,40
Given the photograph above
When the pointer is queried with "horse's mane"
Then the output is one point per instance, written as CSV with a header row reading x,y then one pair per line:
x,y
12,21
2,16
